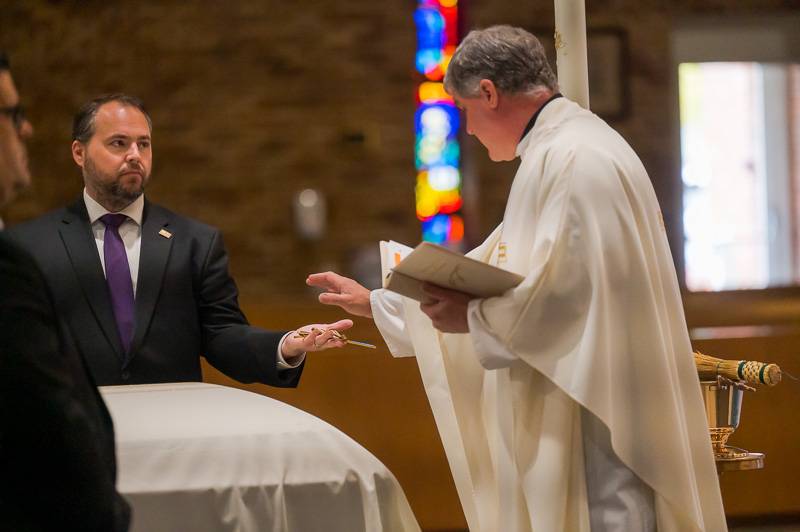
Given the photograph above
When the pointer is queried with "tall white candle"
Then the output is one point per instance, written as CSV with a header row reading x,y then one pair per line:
x,y
570,42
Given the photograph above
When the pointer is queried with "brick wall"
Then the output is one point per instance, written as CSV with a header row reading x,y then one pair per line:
x,y
253,101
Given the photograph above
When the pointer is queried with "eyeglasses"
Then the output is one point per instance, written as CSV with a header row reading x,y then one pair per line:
x,y
16,114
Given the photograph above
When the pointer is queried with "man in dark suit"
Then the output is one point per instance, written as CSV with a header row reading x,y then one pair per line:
x,y
145,291
56,436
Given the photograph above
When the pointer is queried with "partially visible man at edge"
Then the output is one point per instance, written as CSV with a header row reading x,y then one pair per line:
x,y
144,291
16,129
56,436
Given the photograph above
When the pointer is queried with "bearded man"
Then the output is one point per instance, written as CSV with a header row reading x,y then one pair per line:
x,y
144,291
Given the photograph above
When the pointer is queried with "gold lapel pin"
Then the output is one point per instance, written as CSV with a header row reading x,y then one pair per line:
x,y
166,234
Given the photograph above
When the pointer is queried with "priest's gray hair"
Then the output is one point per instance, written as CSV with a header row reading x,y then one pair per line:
x,y
513,59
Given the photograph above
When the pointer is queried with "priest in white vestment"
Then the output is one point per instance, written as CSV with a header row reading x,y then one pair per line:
x,y
571,402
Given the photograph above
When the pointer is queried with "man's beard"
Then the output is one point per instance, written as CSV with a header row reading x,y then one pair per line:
x,y
113,194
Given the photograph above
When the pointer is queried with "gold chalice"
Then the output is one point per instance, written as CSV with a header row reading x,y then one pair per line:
x,y
723,403
723,383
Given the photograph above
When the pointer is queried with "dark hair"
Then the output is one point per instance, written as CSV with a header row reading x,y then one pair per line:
x,y
4,63
83,123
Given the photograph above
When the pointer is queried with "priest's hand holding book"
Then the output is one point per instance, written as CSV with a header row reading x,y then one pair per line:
x,y
446,308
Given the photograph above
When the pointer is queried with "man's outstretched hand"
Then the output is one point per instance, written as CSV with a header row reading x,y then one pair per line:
x,y
314,337
342,292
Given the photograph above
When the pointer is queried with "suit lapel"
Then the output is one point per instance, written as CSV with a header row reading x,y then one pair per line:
x,y
76,233
155,249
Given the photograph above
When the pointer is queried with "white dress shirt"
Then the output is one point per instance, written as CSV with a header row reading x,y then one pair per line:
x,y
131,233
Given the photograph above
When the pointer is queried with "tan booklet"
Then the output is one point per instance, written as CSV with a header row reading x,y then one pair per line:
x,y
405,270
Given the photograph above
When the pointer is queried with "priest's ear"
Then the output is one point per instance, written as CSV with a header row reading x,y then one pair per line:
x,y
487,92
78,153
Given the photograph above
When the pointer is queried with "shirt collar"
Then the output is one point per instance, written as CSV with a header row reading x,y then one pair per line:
x,y
532,121
133,211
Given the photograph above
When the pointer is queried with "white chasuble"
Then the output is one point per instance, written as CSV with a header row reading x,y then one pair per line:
x,y
597,322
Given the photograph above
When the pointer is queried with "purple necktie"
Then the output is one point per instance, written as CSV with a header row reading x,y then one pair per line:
x,y
118,277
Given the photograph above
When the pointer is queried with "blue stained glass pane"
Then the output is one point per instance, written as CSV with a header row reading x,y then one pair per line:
x,y
417,115
429,20
452,153
428,59
430,28
436,229
417,159
450,110
455,118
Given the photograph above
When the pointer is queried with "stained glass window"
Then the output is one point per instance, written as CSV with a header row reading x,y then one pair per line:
x,y
437,151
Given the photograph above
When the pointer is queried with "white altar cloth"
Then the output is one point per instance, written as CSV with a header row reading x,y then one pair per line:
x,y
201,457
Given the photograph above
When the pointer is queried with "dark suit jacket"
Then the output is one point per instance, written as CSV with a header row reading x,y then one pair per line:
x,y
186,301
56,436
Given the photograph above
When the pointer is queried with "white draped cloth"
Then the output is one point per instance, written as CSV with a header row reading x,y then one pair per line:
x,y
204,458
596,326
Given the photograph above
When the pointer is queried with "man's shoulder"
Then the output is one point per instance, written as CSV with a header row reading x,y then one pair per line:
x,y
10,251
17,267
39,226
583,137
